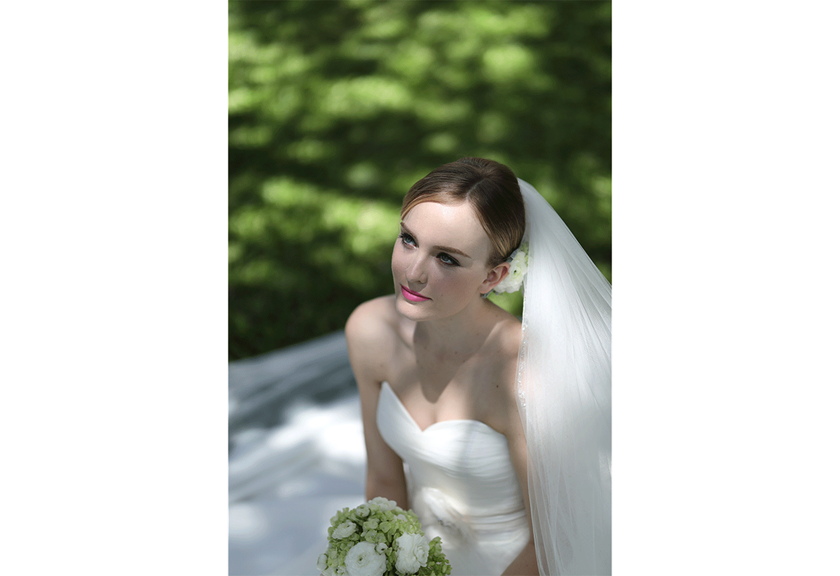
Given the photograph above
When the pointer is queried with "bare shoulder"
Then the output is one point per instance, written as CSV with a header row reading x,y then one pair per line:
x,y
505,341
510,335
370,319
511,341
502,364
371,332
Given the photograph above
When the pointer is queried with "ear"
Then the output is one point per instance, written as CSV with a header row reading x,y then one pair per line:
x,y
494,276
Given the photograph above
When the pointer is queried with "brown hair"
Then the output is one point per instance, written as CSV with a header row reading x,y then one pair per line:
x,y
492,190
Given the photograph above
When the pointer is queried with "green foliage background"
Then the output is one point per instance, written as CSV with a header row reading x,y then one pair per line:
x,y
337,108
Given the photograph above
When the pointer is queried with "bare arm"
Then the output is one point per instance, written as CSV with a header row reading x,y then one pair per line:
x,y
369,341
525,563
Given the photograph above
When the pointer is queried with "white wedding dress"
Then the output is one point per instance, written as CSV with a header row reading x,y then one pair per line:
x,y
462,485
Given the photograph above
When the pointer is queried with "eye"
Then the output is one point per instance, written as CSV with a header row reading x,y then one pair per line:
x,y
448,260
407,239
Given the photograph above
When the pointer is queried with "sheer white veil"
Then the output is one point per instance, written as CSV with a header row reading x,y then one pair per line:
x,y
564,387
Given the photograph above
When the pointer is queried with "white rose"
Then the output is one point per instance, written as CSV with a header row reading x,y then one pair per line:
x,y
363,560
344,530
384,503
412,554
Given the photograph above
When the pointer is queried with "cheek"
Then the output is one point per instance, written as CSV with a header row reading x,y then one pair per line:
x,y
395,259
457,286
462,284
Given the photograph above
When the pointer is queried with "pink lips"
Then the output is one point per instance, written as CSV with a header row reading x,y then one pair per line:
x,y
412,296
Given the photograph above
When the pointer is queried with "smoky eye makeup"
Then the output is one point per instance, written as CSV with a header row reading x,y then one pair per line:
x,y
408,240
448,260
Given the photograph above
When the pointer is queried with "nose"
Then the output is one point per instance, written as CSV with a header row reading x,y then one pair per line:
x,y
416,272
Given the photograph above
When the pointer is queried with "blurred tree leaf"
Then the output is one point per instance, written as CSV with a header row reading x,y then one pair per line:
x,y
337,108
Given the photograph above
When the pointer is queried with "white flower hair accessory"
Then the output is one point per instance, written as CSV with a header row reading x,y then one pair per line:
x,y
516,274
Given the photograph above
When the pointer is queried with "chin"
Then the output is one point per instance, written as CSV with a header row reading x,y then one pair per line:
x,y
421,311
411,310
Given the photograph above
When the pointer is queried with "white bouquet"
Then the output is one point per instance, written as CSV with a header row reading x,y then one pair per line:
x,y
379,538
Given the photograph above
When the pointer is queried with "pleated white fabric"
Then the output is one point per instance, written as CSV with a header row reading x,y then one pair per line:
x,y
461,484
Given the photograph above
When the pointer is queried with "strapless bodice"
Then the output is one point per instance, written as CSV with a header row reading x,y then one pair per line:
x,y
462,485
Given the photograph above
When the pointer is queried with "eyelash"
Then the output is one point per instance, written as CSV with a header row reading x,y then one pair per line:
x,y
446,259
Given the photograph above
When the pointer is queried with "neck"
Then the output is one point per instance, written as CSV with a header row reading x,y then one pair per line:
x,y
461,334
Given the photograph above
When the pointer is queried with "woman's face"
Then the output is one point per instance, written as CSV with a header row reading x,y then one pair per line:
x,y
440,261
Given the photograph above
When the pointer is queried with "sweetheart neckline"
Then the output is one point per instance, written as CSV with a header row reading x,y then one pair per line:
x,y
430,426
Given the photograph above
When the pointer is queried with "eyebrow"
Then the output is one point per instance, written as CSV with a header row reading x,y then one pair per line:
x,y
443,248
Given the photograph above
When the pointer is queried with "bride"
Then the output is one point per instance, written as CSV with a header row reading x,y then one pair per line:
x,y
495,432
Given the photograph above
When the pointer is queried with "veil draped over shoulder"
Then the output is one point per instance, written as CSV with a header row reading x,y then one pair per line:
x,y
564,387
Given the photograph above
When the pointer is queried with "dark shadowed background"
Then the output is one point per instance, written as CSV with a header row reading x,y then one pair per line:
x,y
337,108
